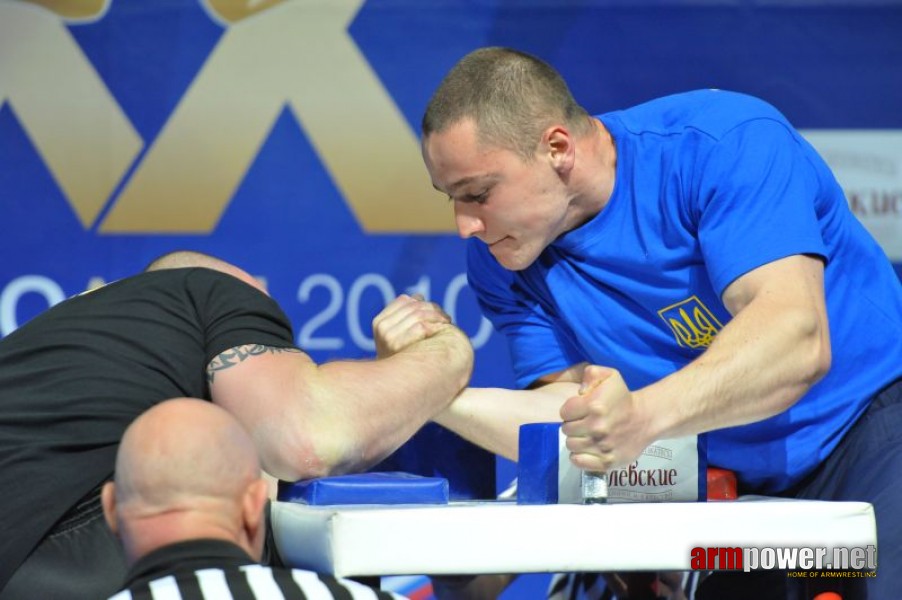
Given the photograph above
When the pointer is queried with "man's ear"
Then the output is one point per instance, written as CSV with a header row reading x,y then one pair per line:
x,y
108,500
253,504
558,143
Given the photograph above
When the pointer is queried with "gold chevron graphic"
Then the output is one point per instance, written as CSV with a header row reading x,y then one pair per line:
x,y
64,107
74,11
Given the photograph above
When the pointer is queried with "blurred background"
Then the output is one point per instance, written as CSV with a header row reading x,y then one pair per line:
x,y
282,135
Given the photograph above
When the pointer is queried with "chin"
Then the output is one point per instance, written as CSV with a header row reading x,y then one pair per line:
x,y
514,263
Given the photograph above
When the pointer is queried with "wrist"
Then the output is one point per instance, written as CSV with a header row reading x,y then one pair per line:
x,y
460,352
656,425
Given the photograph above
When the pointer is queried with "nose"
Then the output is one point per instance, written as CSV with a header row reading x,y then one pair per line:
x,y
468,223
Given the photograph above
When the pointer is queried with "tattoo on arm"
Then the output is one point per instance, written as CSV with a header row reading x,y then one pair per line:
x,y
238,354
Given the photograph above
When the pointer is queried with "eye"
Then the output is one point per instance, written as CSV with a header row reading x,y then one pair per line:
x,y
479,198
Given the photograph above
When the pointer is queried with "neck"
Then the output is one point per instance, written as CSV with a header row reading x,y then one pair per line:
x,y
593,177
143,536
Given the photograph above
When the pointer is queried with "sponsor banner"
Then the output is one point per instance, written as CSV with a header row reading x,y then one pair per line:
x,y
282,135
868,165
258,132
671,470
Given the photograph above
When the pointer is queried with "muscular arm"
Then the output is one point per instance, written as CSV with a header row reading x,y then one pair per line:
x,y
312,420
776,347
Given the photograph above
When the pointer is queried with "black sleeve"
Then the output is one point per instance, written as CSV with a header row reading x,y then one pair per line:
x,y
233,313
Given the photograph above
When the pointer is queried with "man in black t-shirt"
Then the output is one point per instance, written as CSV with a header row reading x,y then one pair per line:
x,y
74,377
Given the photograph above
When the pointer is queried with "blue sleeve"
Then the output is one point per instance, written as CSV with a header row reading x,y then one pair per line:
x,y
756,201
539,345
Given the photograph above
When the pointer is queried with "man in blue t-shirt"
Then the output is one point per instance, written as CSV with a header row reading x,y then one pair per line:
x,y
687,265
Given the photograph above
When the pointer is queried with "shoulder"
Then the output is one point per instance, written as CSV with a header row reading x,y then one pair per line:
x,y
711,112
208,285
192,285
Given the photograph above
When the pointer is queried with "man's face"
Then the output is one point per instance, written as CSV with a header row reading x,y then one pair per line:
x,y
516,207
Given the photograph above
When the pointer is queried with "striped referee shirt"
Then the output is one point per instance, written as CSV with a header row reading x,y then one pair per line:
x,y
218,570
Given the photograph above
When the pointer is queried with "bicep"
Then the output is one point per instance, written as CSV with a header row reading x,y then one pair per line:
x,y
259,385
796,281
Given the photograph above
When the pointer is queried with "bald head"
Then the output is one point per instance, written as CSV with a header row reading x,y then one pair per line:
x,y
183,259
185,468
181,450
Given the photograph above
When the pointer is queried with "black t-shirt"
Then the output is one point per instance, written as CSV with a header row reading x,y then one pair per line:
x,y
74,377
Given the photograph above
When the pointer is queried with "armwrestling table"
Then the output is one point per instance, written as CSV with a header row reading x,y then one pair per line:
x,y
504,537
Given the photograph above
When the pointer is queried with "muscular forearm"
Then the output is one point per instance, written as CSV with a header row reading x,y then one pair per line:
x,y
310,420
750,372
360,411
757,366
491,417
775,348
412,386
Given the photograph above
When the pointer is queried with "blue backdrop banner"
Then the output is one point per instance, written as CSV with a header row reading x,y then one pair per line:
x,y
282,135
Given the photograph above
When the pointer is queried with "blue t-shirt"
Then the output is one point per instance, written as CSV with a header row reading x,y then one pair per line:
x,y
709,185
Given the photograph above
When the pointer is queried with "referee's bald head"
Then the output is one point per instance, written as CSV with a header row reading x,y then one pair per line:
x,y
185,469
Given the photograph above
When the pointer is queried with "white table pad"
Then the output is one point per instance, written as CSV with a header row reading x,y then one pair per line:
x,y
503,537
